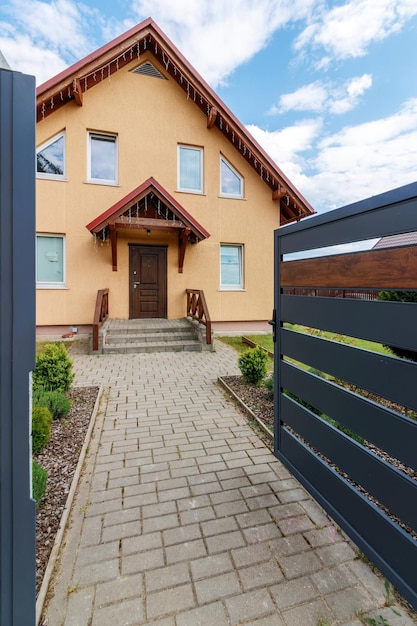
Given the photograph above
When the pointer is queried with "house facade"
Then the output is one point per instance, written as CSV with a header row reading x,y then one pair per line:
x,y
148,185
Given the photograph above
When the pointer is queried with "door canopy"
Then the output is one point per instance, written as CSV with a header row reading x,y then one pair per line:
x,y
148,207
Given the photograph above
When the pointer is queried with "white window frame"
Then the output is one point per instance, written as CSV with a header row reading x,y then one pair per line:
x,y
233,286
47,284
223,194
201,152
91,135
43,147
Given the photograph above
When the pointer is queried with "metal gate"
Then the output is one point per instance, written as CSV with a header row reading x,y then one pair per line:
x,y
339,423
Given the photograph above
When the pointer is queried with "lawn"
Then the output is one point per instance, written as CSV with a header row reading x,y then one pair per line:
x,y
265,340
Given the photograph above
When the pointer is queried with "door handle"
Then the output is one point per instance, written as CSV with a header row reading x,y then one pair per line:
x,y
135,284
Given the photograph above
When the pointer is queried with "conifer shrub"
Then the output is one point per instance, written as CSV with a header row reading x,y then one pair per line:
x,y
41,428
39,480
57,402
253,365
53,369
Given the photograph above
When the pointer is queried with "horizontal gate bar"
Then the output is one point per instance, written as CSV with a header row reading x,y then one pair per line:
x,y
393,489
372,421
386,376
387,545
370,320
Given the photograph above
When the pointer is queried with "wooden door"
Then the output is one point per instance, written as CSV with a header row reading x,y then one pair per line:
x,y
147,281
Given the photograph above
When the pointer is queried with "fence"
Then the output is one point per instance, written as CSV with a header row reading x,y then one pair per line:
x,y
340,426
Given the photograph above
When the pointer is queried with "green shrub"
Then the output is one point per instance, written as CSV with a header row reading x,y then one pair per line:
x,y
53,369
253,365
58,404
400,296
39,478
41,428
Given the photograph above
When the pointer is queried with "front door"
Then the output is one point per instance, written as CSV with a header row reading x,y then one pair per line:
x,y
147,281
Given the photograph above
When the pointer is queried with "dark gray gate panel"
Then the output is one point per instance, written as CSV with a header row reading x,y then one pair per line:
x,y
17,346
332,399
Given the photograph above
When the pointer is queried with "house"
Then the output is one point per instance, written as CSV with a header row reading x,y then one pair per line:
x,y
148,185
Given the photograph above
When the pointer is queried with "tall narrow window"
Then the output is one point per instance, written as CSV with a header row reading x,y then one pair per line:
x,y
231,183
50,266
231,266
190,169
50,158
102,158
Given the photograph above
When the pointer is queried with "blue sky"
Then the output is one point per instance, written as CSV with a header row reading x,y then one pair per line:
x,y
329,89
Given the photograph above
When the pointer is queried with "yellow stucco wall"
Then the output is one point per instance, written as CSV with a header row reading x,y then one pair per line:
x,y
151,117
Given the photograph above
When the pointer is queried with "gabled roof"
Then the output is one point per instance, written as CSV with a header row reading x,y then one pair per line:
x,y
144,207
149,207
70,85
402,239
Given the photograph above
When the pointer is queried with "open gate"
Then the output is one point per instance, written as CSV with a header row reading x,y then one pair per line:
x,y
339,425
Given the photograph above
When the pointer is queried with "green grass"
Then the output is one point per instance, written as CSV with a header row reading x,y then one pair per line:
x,y
265,340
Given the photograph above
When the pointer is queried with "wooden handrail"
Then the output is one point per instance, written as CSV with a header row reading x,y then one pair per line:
x,y
101,313
197,309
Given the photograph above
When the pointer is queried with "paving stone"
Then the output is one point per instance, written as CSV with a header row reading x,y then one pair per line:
x,y
249,605
260,575
251,554
300,564
96,572
258,534
334,579
309,614
128,612
121,588
80,607
181,534
224,542
294,525
211,566
134,563
169,601
289,593
217,526
140,543
187,551
253,518
160,523
346,604
323,536
338,553
204,616
167,576
217,587
293,544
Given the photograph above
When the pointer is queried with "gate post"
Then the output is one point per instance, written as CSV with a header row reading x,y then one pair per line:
x,y
17,346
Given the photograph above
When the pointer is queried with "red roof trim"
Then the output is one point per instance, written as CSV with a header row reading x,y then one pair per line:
x,y
148,27
101,221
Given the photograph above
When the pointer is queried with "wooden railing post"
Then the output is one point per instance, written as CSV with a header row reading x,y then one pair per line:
x,y
197,309
101,313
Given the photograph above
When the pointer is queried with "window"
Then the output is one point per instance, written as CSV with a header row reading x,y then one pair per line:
x,y
231,266
102,158
50,252
231,183
50,158
190,169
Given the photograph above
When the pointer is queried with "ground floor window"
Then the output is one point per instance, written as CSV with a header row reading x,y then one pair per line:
x,y
231,266
50,261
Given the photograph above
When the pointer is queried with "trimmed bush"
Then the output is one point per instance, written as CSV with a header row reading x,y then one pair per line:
x,y
41,428
269,384
53,370
58,404
253,365
39,479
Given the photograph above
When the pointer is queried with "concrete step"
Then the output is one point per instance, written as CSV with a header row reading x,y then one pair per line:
x,y
157,346
142,336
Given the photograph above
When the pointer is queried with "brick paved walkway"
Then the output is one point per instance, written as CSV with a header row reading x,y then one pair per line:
x,y
184,518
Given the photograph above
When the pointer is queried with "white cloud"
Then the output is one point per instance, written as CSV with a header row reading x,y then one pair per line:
x,y
346,31
217,36
355,163
320,96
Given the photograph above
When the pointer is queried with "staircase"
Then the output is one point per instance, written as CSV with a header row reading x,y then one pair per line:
x,y
149,335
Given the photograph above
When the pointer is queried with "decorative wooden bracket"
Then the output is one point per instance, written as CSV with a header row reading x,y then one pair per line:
x,y
182,245
78,93
279,193
211,117
113,241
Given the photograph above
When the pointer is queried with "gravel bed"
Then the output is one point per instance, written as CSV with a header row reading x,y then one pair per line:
x,y
60,458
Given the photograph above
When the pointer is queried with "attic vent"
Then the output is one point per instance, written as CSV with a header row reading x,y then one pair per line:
x,y
147,69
